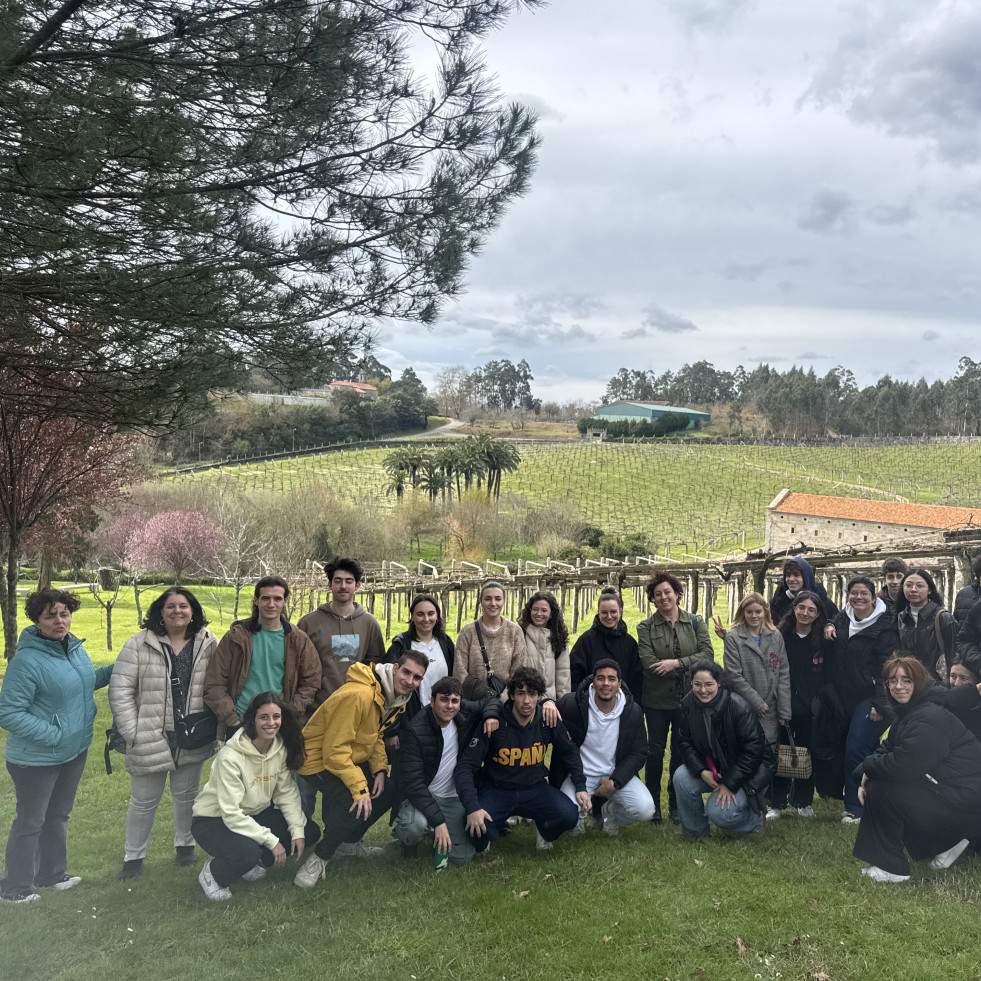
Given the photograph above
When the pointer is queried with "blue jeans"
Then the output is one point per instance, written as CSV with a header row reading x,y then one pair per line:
x,y
550,809
695,814
863,736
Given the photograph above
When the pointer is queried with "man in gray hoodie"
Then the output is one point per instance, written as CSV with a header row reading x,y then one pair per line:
x,y
343,631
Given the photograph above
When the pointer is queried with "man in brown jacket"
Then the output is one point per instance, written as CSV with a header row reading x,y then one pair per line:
x,y
264,653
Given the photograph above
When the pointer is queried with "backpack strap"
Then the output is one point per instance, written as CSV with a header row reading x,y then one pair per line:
x,y
483,650
939,632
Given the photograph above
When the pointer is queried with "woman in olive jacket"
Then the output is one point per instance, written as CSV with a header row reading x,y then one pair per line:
x,y
669,642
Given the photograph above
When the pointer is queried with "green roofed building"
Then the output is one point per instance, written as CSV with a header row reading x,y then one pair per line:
x,y
649,412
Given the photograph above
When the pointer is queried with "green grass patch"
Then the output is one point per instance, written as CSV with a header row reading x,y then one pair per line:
x,y
787,904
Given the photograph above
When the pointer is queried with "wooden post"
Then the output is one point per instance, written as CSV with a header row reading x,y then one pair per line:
x,y
388,613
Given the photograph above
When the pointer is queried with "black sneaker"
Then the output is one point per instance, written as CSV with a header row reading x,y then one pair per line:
x,y
185,854
131,869
410,851
65,882
673,816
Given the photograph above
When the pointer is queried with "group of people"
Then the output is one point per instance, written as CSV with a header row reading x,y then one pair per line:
x,y
455,742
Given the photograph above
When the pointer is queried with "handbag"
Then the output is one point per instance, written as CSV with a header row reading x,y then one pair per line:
x,y
495,684
195,730
114,741
793,761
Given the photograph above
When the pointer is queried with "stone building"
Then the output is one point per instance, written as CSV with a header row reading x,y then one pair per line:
x,y
817,521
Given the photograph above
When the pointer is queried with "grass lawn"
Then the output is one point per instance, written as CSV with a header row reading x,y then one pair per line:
x,y
787,904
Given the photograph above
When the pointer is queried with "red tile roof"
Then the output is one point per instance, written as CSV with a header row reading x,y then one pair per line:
x,y
362,387
881,512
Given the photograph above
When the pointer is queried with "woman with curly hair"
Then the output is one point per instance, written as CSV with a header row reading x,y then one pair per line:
x,y
546,642
47,708
160,674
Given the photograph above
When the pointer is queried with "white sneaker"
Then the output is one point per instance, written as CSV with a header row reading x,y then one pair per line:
x,y
212,890
311,871
881,875
254,874
773,813
358,849
580,828
946,859
847,818
26,897
610,826
540,843
806,812
68,882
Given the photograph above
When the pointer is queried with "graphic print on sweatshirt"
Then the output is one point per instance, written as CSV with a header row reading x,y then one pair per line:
x,y
520,755
345,647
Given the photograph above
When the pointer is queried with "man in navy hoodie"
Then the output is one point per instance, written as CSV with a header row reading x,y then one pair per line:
x,y
797,575
512,770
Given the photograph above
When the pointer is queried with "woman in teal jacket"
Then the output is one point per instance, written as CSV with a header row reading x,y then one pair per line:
x,y
47,708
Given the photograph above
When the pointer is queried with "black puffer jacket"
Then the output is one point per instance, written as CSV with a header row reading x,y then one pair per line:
x,y
927,739
420,752
969,635
400,644
631,751
856,662
600,642
964,702
966,600
737,744
919,638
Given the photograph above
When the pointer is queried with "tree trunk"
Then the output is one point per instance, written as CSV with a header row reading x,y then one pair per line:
x,y
44,572
238,591
136,596
109,607
8,601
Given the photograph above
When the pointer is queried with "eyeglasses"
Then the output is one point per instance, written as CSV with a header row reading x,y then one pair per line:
x,y
708,686
899,683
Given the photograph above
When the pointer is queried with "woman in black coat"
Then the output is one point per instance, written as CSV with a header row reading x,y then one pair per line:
x,y
921,789
926,629
803,637
865,637
725,756
607,638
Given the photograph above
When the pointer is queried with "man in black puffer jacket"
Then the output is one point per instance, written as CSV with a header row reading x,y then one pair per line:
x,y
607,725
426,796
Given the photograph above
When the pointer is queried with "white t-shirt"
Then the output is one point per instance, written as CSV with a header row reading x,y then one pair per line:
x,y
437,667
442,784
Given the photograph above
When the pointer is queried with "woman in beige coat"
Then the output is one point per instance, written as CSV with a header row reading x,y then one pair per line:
x,y
141,697
546,643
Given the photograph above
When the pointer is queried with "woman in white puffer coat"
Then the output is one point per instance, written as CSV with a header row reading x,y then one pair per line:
x,y
142,701
546,643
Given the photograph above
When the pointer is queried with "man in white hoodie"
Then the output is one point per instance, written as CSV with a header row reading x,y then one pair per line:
x,y
608,727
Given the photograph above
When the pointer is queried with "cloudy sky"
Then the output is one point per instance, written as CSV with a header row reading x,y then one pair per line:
x,y
732,180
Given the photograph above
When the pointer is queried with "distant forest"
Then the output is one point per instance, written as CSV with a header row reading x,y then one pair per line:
x,y
800,402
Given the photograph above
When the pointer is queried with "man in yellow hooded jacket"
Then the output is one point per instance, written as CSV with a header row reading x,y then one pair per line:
x,y
346,758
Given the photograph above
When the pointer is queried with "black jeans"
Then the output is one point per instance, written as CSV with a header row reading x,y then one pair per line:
x,y
907,818
658,723
234,854
340,824
37,846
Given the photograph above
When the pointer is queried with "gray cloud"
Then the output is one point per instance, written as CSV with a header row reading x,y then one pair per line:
x,y
547,303
913,70
539,106
829,213
635,334
891,214
710,16
657,318
930,335
534,335
813,356
747,273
